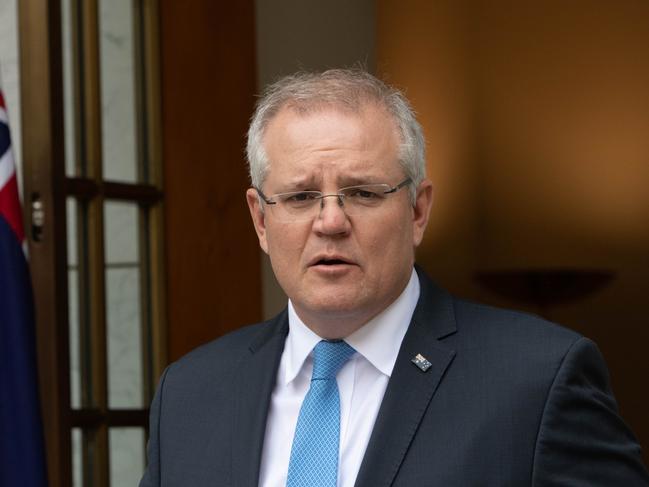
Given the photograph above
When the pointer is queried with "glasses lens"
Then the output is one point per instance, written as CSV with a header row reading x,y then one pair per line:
x,y
305,205
296,206
363,198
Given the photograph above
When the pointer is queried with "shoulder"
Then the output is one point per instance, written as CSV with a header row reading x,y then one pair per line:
x,y
484,321
218,358
224,348
471,323
513,338
507,341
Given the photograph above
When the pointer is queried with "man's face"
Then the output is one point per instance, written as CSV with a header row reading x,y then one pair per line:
x,y
339,270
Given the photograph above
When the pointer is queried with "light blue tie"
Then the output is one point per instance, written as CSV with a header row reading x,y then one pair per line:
x,y
314,455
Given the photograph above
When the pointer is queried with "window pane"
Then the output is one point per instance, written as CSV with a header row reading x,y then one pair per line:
x,y
69,112
71,208
118,95
77,456
127,446
121,233
123,309
73,305
75,362
124,338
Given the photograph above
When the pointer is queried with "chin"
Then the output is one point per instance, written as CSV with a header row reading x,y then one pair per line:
x,y
337,306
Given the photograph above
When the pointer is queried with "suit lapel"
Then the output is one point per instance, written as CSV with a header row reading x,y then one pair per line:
x,y
254,385
410,389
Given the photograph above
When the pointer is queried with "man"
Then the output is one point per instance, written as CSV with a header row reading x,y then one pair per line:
x,y
373,376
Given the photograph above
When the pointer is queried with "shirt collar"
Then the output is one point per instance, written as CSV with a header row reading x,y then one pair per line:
x,y
299,343
378,340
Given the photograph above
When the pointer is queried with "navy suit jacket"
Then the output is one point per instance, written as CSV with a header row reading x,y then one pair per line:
x,y
510,400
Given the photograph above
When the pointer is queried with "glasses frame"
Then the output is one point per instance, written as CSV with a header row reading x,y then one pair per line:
x,y
269,200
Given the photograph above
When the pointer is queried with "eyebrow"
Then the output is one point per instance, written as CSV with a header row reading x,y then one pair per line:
x,y
358,181
298,184
308,183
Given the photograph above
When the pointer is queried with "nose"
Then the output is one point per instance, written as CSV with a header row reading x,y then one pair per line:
x,y
332,219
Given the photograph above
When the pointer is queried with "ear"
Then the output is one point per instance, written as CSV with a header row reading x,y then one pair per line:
x,y
421,210
258,217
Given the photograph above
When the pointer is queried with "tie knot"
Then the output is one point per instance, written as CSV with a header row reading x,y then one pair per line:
x,y
329,357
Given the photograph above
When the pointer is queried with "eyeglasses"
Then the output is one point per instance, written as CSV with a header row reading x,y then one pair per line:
x,y
299,206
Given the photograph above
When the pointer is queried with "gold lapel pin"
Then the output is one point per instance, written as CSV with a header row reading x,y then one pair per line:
x,y
422,362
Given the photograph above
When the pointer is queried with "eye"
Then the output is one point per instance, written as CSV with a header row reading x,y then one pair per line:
x,y
362,193
366,193
300,197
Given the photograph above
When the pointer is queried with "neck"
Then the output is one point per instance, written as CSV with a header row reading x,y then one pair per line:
x,y
339,324
333,326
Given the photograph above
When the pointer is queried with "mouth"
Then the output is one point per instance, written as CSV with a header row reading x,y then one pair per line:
x,y
331,261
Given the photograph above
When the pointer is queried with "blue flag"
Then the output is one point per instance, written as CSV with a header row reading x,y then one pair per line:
x,y
22,452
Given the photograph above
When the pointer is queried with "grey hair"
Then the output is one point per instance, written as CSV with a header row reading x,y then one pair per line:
x,y
349,89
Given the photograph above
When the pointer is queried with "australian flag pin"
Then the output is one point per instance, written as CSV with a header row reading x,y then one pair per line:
x,y
422,362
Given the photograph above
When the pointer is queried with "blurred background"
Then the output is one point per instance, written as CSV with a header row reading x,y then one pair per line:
x,y
128,121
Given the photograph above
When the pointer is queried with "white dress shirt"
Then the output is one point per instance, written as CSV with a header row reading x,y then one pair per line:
x,y
361,383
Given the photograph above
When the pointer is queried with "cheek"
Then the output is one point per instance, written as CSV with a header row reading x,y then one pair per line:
x,y
286,242
389,242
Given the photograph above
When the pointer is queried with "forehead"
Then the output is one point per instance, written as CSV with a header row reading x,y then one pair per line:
x,y
331,138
